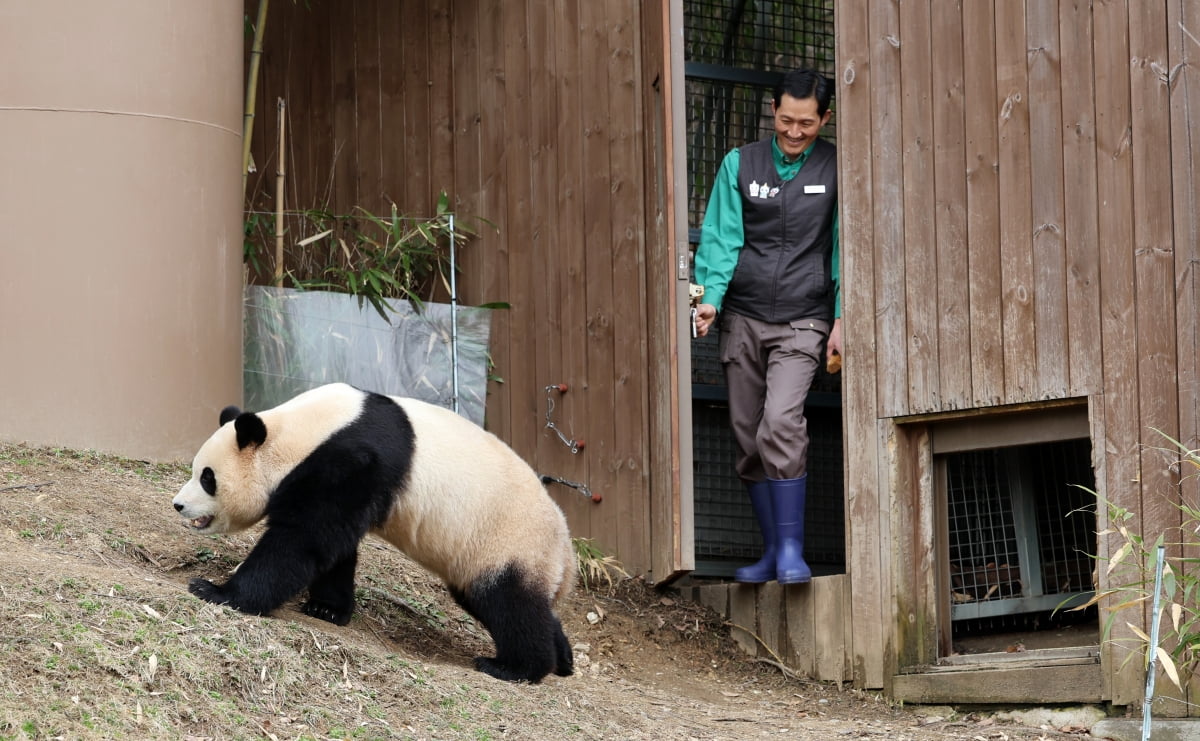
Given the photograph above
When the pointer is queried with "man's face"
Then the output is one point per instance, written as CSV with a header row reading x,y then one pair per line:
x,y
797,124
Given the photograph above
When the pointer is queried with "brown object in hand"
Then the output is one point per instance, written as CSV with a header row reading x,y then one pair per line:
x,y
833,363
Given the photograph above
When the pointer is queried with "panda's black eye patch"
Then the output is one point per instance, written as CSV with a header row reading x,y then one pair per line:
x,y
208,481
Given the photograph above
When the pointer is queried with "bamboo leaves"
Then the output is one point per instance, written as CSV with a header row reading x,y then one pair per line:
x,y
378,259
1131,578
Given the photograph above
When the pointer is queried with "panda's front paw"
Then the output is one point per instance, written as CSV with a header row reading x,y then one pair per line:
x,y
330,613
489,665
207,591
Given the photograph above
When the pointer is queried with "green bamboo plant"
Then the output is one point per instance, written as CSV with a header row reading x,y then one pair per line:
x,y
1178,649
375,258
379,258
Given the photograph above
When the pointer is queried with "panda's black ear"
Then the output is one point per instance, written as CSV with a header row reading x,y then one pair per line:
x,y
228,413
250,430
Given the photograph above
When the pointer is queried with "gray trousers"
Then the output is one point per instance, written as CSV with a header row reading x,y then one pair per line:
x,y
769,369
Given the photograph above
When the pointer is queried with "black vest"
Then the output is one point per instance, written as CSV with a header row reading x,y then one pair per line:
x,y
784,270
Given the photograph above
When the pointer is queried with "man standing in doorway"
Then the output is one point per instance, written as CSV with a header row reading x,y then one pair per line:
x,y
768,261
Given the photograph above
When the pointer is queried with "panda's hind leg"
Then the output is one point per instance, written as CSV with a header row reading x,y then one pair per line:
x,y
529,638
331,594
564,658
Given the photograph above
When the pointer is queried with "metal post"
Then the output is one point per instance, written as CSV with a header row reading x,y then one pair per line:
x,y
453,320
1152,649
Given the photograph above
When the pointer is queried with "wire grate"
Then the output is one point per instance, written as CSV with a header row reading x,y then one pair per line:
x,y
726,531
758,34
1021,527
984,563
1066,515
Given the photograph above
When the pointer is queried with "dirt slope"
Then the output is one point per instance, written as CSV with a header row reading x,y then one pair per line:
x,y
100,639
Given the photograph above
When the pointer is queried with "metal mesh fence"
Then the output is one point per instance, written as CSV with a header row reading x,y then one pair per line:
x,y
1066,515
759,34
727,535
984,563
1000,499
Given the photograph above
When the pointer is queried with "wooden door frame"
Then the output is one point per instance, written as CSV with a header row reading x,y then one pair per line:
x,y
673,551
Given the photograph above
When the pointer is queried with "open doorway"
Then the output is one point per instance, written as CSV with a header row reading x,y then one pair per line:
x,y
735,52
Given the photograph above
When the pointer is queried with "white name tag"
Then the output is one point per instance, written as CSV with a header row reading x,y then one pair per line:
x,y
814,189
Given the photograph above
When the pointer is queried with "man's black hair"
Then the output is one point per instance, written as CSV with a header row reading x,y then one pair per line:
x,y
805,83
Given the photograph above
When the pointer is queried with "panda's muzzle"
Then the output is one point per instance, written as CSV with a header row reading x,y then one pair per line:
x,y
196,523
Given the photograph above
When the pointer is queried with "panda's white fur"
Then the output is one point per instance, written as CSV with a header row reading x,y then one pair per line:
x,y
440,488
502,513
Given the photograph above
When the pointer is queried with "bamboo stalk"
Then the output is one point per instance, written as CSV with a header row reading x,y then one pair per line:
x,y
279,178
252,90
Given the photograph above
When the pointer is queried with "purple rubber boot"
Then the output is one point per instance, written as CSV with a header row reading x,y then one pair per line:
x,y
787,501
764,570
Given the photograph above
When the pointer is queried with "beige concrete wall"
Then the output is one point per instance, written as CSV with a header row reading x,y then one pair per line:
x,y
120,214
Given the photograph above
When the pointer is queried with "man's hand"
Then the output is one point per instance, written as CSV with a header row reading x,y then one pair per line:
x,y
706,314
833,347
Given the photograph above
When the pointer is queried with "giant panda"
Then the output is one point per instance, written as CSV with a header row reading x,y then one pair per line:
x,y
335,463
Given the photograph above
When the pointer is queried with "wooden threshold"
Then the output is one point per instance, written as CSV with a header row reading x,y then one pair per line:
x,y
1059,675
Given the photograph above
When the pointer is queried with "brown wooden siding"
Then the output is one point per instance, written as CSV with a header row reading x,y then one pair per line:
x,y
866,504
983,196
808,628
1019,215
546,119
1183,49
1183,53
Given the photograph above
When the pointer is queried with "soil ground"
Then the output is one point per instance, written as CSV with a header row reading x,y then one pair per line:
x,y
99,638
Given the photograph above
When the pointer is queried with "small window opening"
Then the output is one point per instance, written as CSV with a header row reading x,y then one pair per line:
x,y
1021,532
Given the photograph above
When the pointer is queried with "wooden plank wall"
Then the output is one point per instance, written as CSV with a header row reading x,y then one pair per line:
x,y
666,237
1183,52
807,627
546,120
866,505
1020,225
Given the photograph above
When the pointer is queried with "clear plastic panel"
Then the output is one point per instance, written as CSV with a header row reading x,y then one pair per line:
x,y
297,340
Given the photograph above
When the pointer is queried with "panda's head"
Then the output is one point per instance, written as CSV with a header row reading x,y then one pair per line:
x,y
228,490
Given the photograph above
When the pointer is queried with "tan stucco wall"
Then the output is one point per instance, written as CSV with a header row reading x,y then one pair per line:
x,y
120,213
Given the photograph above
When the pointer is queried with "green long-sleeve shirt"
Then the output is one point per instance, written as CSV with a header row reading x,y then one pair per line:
x,y
721,235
